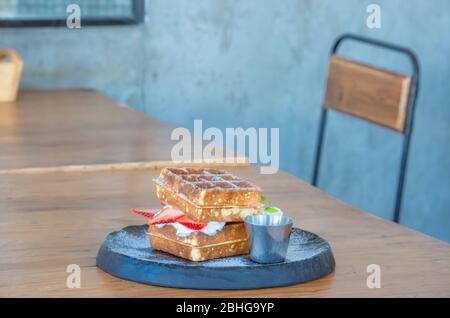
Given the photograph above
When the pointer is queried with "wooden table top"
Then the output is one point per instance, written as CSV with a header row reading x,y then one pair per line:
x,y
76,127
58,217
48,221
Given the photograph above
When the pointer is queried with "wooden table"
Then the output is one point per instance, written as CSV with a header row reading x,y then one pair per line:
x,y
58,217
49,221
77,127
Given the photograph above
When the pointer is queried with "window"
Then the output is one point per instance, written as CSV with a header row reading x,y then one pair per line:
x,y
29,13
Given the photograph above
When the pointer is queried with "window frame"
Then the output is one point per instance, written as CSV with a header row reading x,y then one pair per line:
x,y
137,18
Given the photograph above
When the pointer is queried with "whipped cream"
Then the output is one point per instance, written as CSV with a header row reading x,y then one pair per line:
x,y
210,229
237,211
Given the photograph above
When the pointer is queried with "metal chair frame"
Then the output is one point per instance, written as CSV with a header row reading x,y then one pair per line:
x,y
414,89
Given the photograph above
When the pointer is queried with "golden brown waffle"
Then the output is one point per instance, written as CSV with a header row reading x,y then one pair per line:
x,y
230,241
210,187
205,214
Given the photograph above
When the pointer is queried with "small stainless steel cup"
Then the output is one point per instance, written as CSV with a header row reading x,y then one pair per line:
x,y
268,237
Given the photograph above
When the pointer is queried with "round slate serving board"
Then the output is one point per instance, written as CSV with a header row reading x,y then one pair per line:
x,y
127,254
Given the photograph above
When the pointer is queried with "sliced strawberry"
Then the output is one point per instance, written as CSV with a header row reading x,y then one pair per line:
x,y
167,215
191,224
147,213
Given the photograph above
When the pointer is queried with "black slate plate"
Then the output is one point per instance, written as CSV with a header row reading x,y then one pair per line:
x,y
127,254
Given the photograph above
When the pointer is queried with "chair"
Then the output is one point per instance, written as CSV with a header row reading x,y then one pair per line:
x,y
376,95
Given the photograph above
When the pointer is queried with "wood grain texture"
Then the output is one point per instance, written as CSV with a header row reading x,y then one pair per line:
x,y
237,161
48,221
81,130
370,93
81,127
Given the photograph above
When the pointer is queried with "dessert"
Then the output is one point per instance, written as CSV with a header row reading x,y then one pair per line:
x,y
208,194
203,213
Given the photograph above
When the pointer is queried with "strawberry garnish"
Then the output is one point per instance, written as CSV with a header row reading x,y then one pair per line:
x,y
191,224
147,213
167,215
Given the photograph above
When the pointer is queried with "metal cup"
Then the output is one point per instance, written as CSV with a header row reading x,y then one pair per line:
x,y
268,237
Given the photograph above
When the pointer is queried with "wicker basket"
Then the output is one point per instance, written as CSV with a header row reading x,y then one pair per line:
x,y
10,71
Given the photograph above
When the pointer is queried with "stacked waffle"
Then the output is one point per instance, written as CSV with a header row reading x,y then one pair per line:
x,y
203,213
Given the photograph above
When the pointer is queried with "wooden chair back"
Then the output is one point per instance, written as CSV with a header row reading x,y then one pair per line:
x,y
368,92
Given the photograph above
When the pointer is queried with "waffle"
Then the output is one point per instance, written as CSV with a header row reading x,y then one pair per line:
x,y
230,241
204,214
208,187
